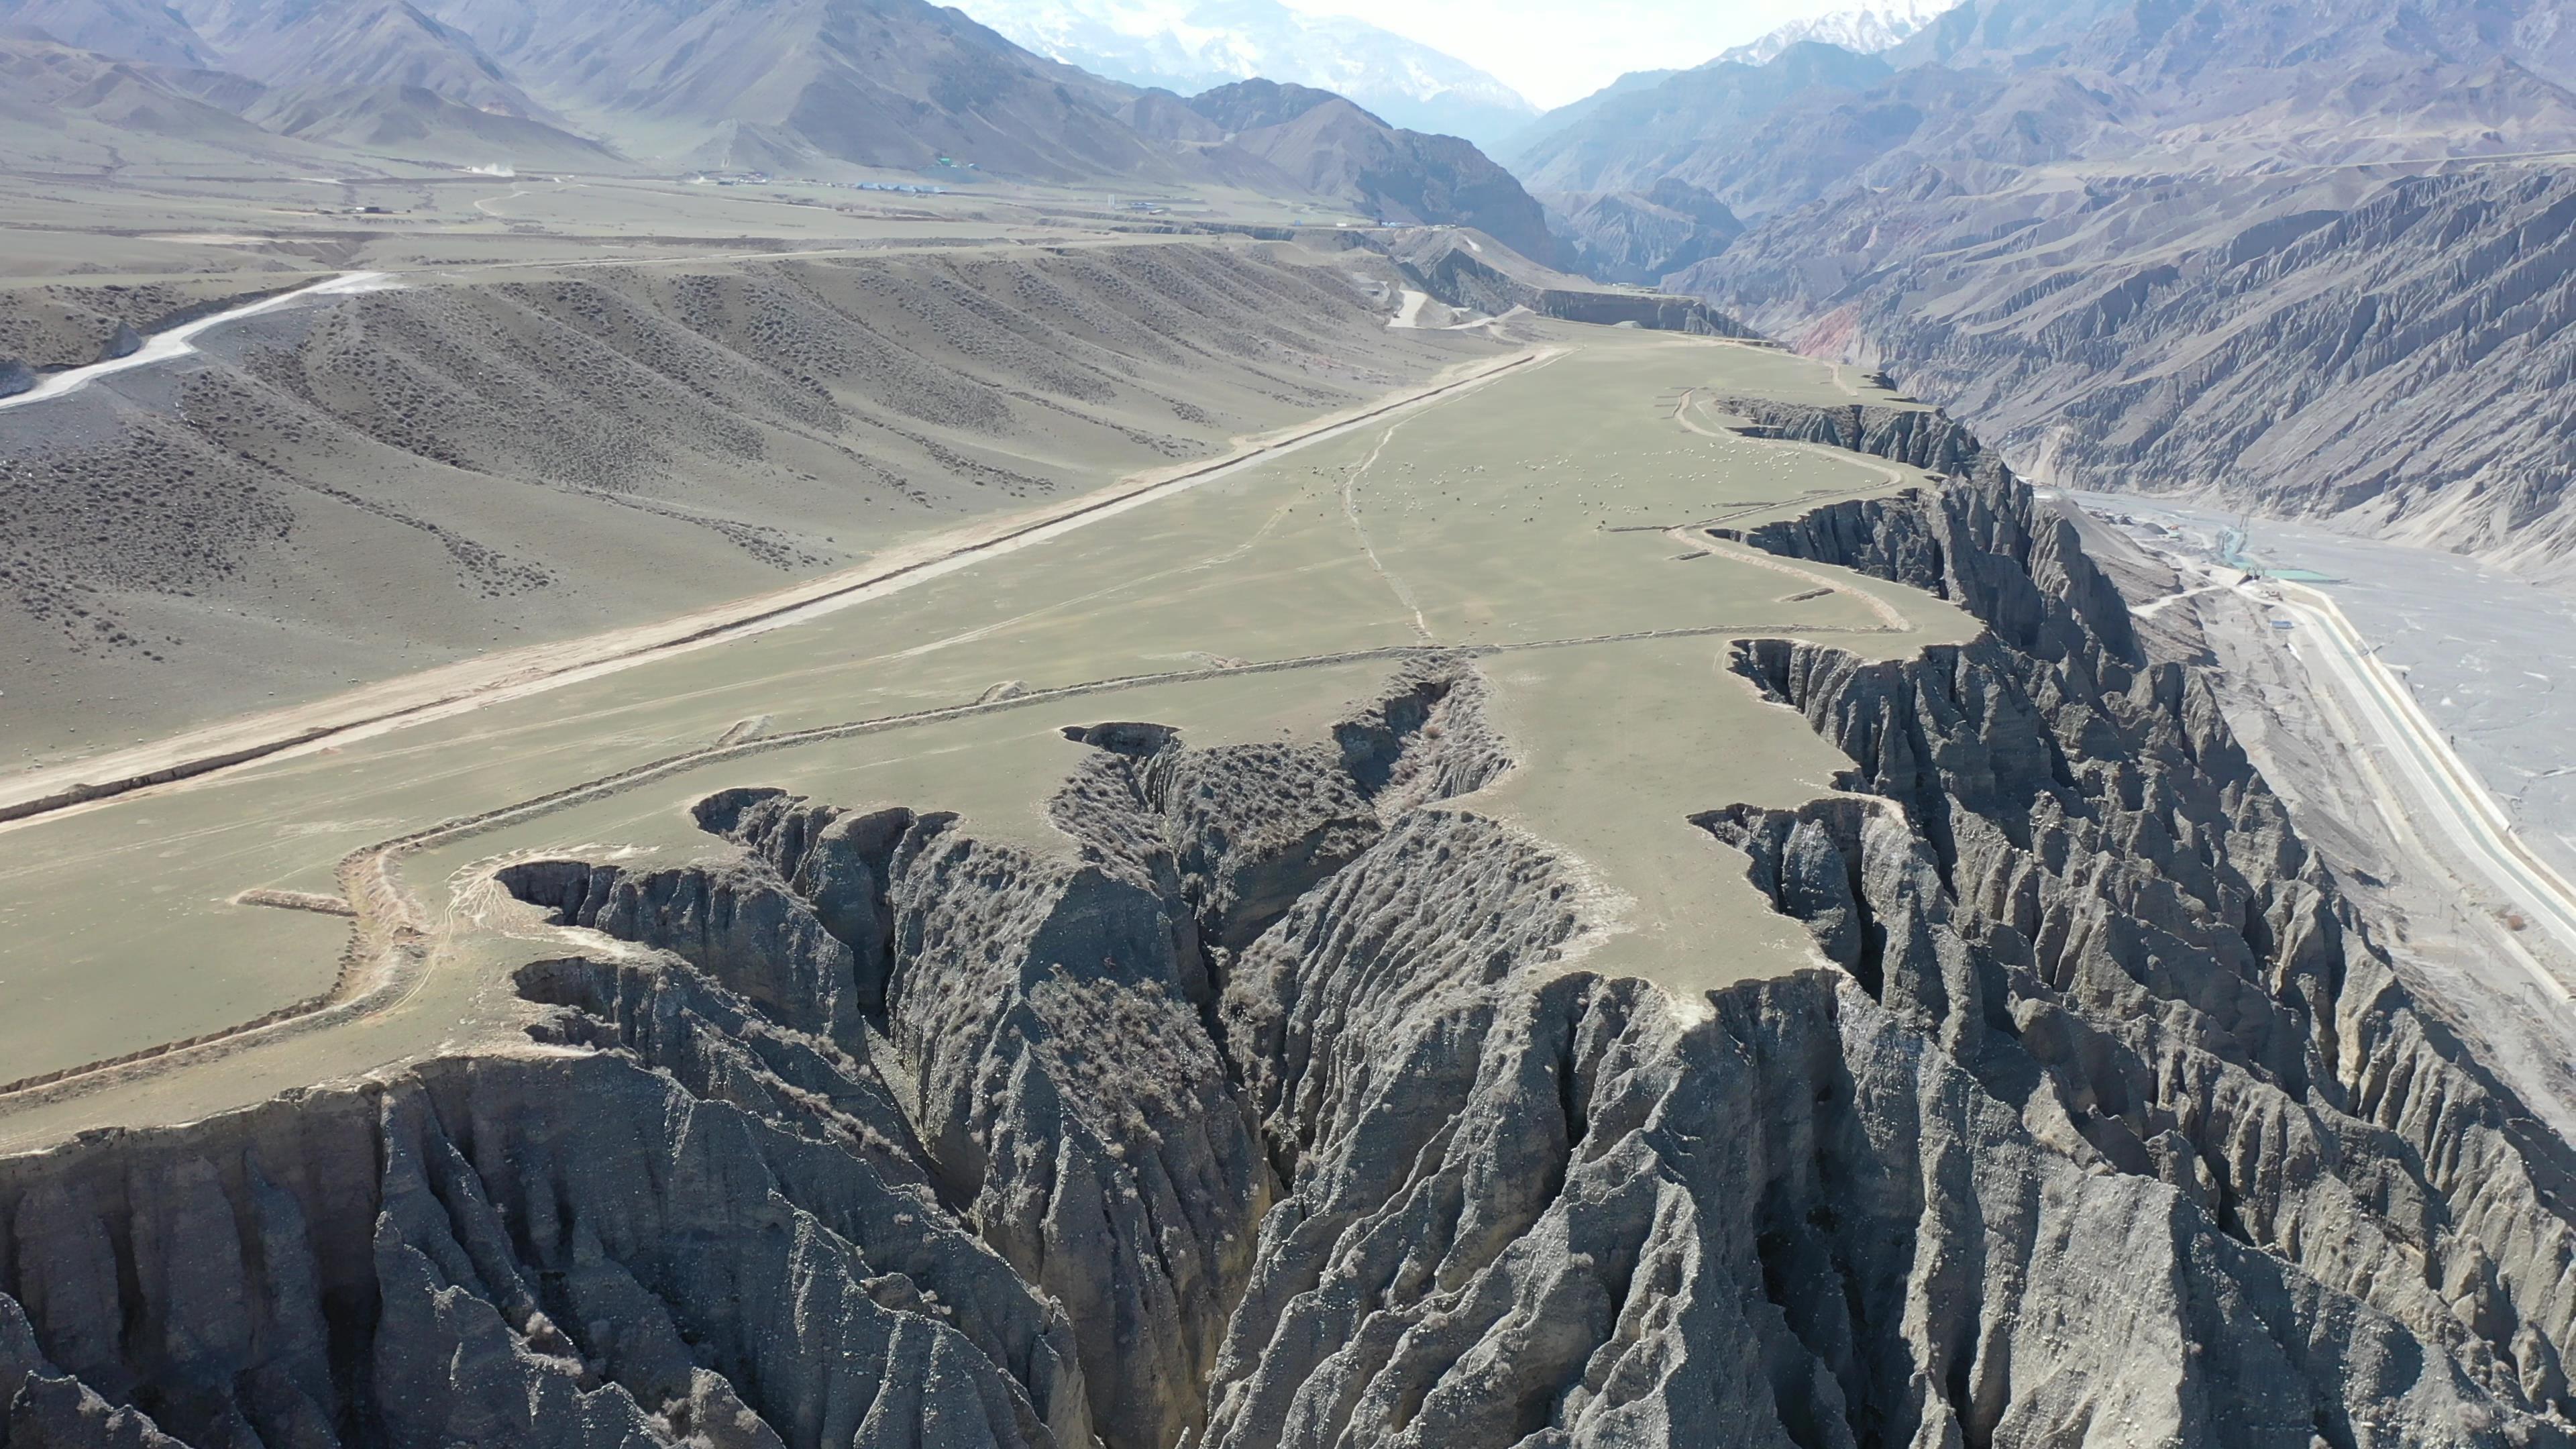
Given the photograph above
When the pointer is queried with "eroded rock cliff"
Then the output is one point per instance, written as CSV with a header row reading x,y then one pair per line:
x,y
2390,357
1279,1108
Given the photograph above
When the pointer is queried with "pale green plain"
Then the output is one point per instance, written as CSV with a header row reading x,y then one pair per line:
x,y
1524,517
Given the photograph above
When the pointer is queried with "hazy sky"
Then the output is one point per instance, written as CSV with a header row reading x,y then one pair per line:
x,y
1555,51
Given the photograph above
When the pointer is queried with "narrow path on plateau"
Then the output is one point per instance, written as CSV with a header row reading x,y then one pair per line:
x,y
474,683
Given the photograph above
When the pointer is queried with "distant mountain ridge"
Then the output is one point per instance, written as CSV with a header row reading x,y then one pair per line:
x,y
143,30
354,43
1638,237
1639,134
1864,31
1187,46
2272,248
792,87
1329,146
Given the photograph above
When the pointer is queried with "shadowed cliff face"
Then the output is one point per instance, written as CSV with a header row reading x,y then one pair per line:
x,y
1279,1109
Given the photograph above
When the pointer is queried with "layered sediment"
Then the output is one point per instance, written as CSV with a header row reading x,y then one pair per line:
x,y
1279,1108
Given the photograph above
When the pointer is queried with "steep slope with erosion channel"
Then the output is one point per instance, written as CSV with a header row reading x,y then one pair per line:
x,y
2384,352
1285,1112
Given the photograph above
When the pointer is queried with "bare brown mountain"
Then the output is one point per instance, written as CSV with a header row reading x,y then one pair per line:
x,y
378,76
2391,352
65,107
1333,148
1638,237
354,43
421,124
894,83
1637,134
796,87
2277,249
2208,54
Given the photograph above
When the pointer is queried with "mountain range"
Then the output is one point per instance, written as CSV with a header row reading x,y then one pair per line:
x,y
2289,253
1865,31
793,87
1324,145
1607,165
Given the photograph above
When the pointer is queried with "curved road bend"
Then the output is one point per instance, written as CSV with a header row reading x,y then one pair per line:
x,y
179,341
2460,805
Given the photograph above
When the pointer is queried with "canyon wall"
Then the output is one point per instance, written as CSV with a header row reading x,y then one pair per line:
x,y
1279,1109
2388,352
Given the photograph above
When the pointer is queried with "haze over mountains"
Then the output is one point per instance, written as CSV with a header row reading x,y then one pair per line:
x,y
1194,45
815,87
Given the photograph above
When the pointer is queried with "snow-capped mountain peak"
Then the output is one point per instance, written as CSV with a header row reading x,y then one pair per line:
x,y
1868,30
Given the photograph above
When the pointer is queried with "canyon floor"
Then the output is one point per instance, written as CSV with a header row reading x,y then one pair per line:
x,y
2487,652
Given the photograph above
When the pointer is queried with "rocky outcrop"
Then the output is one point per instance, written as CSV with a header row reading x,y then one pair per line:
x,y
1927,439
2082,887
455,1256
1553,1209
1442,264
1279,1108
743,927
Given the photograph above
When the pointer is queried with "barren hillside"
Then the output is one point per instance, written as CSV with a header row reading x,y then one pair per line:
x,y
369,486
2393,355
2298,256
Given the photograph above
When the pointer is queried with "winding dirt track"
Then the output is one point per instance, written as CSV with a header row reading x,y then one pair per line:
x,y
181,340
390,956
472,684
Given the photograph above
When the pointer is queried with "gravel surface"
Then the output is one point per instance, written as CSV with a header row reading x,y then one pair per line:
x,y
2492,656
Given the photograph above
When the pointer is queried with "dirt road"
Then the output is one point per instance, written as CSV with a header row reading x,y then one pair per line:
x,y
472,684
2462,809
181,340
